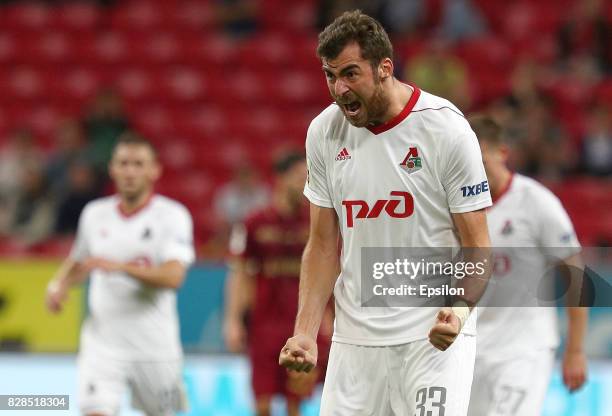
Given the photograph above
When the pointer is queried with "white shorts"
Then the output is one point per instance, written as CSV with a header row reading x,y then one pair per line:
x,y
156,388
511,386
409,379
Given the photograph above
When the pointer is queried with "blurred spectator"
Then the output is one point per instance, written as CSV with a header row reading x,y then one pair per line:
x,y
399,17
524,85
437,71
81,188
69,147
20,152
34,215
587,32
330,9
460,20
237,17
238,198
402,17
546,143
597,142
510,113
103,125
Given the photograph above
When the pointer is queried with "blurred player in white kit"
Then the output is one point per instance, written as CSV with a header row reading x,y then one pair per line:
x,y
516,345
136,246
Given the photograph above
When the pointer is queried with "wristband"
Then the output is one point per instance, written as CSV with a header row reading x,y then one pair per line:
x,y
462,310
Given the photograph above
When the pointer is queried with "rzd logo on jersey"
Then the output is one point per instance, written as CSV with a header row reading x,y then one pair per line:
x,y
391,207
412,162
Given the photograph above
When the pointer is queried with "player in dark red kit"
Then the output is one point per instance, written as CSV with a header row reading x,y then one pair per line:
x,y
264,281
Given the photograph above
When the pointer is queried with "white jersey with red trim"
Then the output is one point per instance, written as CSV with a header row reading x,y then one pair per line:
x,y
526,215
128,319
427,162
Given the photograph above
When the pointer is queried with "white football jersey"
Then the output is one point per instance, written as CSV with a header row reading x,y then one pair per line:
x,y
422,161
128,319
525,215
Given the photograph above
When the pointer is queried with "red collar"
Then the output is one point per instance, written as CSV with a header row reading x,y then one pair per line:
x,y
126,214
504,190
381,128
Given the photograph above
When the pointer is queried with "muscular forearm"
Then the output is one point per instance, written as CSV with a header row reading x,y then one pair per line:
x,y
476,247
168,275
320,266
577,325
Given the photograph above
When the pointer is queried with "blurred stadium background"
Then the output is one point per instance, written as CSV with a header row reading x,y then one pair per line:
x,y
222,86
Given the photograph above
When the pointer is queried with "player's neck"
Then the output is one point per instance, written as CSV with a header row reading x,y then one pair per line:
x,y
131,205
499,184
399,94
284,205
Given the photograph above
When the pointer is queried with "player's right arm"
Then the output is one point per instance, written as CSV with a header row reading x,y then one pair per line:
x,y
319,271
70,273
239,289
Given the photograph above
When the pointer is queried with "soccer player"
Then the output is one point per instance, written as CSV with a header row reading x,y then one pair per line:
x,y
383,140
516,345
264,282
136,246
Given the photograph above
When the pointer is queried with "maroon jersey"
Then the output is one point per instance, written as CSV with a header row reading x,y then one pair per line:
x,y
272,249
271,245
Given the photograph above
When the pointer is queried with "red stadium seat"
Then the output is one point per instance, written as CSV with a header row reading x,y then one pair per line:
x,y
266,50
79,83
214,49
26,17
153,122
195,15
51,47
138,15
135,84
209,121
26,82
184,84
76,16
9,47
110,47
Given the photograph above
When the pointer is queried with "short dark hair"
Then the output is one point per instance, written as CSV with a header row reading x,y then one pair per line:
x,y
355,26
486,129
285,162
132,138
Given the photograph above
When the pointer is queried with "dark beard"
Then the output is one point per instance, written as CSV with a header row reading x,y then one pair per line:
x,y
377,106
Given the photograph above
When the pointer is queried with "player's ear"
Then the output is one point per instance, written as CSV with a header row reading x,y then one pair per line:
x,y
157,170
385,69
504,150
110,169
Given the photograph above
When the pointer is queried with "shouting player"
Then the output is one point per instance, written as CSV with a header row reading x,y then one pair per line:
x,y
516,345
136,246
264,281
383,140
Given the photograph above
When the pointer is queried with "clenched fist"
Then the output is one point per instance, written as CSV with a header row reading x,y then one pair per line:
x,y
299,353
445,330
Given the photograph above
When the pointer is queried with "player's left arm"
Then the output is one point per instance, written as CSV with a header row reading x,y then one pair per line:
x,y
474,237
463,177
558,239
169,274
574,358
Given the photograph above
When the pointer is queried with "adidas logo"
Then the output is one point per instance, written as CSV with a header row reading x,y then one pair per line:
x,y
343,155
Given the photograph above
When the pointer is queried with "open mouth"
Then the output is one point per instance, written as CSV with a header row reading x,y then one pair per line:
x,y
352,108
